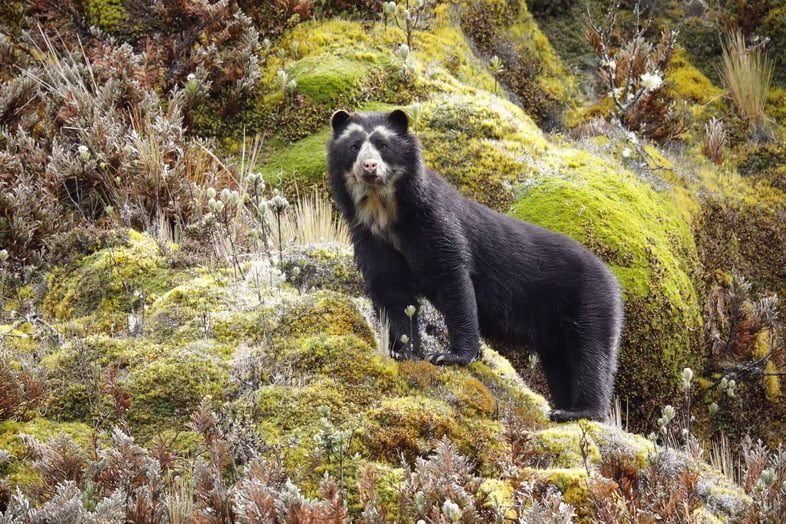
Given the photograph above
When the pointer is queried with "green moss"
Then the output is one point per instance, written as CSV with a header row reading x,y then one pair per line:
x,y
472,396
411,426
19,472
328,79
323,266
776,106
555,80
688,83
560,446
387,480
166,391
236,327
479,143
533,70
303,163
186,312
109,15
347,360
324,312
201,293
116,279
571,482
287,411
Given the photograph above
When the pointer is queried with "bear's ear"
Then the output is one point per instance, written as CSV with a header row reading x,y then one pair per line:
x,y
339,121
399,121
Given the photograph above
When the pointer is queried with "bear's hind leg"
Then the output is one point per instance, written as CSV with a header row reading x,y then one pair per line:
x,y
591,382
558,375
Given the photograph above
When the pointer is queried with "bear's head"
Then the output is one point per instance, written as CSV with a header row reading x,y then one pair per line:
x,y
373,149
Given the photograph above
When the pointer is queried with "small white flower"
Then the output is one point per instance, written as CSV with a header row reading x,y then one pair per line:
x,y
651,81
191,77
687,377
451,510
626,152
410,310
84,153
404,339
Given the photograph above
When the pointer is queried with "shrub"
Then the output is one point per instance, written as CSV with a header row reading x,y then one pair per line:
x,y
632,74
96,143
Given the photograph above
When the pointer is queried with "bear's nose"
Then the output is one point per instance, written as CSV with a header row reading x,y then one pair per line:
x,y
370,165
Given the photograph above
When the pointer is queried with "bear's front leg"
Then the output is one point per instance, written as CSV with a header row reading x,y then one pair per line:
x,y
455,299
391,286
397,304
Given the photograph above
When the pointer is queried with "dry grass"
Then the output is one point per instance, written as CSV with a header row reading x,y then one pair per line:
x,y
313,219
715,139
722,459
747,75
382,335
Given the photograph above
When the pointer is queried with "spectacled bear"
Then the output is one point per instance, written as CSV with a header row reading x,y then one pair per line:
x,y
487,273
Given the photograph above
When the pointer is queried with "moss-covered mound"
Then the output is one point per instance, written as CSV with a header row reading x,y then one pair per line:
x,y
299,367
113,282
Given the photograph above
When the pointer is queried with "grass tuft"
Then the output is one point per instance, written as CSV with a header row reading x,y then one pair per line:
x,y
747,75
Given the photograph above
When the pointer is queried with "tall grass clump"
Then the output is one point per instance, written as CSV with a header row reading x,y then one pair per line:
x,y
312,219
747,75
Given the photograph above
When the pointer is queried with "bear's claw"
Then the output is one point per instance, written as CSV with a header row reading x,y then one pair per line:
x,y
567,415
395,355
446,359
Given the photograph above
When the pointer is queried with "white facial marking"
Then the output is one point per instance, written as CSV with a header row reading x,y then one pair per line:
x,y
375,203
384,132
351,128
369,152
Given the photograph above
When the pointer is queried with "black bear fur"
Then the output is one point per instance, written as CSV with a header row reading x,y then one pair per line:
x,y
489,274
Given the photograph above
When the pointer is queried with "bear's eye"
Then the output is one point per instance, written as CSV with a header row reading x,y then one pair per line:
x,y
355,147
383,147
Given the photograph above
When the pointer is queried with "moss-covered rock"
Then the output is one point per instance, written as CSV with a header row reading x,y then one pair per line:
x,y
114,281
323,266
167,390
481,144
